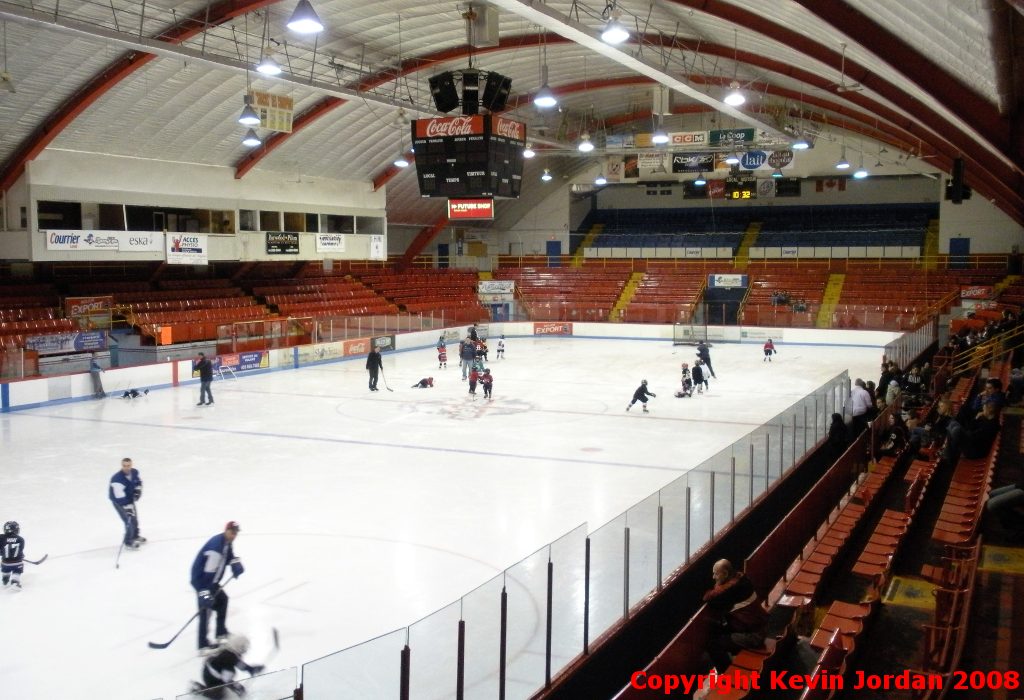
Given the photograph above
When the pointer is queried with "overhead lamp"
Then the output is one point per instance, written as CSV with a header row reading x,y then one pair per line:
x,y
777,173
733,159
248,117
660,137
546,176
528,152
735,98
843,164
861,173
585,145
600,180
252,140
400,161
304,19
614,33
544,97
5,83
801,144
700,179
269,65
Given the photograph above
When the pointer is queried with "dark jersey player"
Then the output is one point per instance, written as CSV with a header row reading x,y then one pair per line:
x,y
219,669
641,395
12,555
207,571
124,490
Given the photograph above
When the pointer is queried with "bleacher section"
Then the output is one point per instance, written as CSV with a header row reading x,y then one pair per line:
x,y
321,297
865,225
424,291
27,310
567,293
803,286
665,296
668,228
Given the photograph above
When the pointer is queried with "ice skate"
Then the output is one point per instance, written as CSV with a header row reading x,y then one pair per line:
x,y
15,585
645,410
141,540
628,407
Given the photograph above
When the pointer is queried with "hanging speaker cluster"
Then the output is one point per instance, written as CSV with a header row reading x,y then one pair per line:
x,y
472,89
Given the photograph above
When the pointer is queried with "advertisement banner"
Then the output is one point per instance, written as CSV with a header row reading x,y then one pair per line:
x,y
80,240
282,243
630,167
86,306
752,160
750,333
780,159
449,126
56,343
727,281
766,188
651,161
384,342
613,170
552,328
496,287
688,138
470,208
237,362
508,128
976,291
321,352
620,141
330,243
451,335
790,252
693,162
728,137
187,249
716,189
378,248
359,346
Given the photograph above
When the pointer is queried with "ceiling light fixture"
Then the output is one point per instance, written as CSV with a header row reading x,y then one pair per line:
x,y
544,98
400,161
801,143
546,176
777,173
843,164
528,152
269,65
733,159
660,137
861,173
585,145
614,33
735,98
248,117
252,140
304,19
600,180
700,180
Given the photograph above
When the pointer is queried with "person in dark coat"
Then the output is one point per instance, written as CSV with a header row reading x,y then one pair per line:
x,y
641,395
205,367
374,364
700,377
704,353
981,433
744,621
467,353
838,437
473,335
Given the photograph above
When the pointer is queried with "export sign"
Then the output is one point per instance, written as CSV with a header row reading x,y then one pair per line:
x,y
384,342
185,249
282,243
86,306
330,243
976,291
556,328
470,208
56,343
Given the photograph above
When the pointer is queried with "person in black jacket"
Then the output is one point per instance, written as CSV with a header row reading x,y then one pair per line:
x,y
981,433
641,395
743,620
374,364
700,377
205,367
838,437
705,355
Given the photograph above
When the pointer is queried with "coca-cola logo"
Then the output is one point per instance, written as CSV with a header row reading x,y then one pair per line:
x,y
455,126
510,129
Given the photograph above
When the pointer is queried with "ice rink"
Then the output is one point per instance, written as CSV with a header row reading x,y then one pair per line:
x,y
360,512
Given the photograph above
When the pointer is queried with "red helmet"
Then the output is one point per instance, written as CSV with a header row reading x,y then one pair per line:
x,y
686,365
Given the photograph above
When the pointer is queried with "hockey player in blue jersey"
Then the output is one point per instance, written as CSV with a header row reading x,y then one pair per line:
x,y
124,490
12,555
207,571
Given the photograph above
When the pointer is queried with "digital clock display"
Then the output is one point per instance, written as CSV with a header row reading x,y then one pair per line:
x,y
742,194
741,188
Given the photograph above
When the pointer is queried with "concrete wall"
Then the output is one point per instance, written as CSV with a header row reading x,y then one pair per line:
x,y
988,227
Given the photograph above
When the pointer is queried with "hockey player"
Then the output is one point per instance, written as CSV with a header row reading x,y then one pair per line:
x,y
704,353
769,350
488,382
425,383
501,348
12,555
207,570
699,378
687,388
124,490
219,669
442,353
641,395
474,376
483,350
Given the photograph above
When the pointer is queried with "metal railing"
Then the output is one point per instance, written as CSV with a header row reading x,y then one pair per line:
x,y
909,346
985,352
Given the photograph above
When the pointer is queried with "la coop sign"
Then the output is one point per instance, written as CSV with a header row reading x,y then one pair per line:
x,y
470,208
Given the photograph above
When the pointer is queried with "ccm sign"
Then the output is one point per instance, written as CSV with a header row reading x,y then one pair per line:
x,y
470,208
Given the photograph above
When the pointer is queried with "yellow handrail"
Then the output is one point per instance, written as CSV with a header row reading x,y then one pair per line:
x,y
989,350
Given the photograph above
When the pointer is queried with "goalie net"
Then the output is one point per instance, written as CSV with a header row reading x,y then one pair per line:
x,y
689,333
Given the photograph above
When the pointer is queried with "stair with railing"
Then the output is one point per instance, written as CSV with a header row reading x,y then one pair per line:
x,y
588,240
749,238
833,291
627,296
931,245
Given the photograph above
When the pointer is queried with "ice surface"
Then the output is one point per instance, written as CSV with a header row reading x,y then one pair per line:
x,y
361,512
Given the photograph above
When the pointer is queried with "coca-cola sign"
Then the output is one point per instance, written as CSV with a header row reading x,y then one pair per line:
x,y
509,129
451,126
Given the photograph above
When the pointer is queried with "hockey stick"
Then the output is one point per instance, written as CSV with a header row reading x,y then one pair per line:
x,y
117,562
385,381
156,645
37,563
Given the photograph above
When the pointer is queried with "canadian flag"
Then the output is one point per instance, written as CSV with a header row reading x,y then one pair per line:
x,y
831,185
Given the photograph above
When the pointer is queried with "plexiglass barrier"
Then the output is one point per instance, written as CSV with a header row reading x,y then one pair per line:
x,y
519,630
279,685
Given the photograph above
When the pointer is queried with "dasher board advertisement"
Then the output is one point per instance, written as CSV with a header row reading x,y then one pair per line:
x,y
470,208
187,249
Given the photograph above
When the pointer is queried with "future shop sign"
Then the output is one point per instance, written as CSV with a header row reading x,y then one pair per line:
x,y
470,208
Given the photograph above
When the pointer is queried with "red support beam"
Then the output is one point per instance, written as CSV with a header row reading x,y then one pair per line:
x,y
422,240
298,124
111,76
960,99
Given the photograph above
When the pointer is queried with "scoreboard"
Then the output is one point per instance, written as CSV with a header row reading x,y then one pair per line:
x,y
741,188
478,155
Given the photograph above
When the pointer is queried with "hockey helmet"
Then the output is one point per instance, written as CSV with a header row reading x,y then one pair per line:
x,y
11,528
686,365
236,644
643,382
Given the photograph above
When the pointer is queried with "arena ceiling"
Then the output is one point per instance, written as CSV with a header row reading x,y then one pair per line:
x,y
163,80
